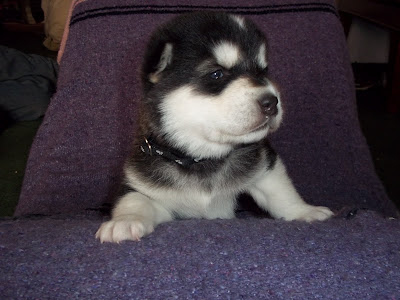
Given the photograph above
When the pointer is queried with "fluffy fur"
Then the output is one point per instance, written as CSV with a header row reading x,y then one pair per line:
x,y
206,99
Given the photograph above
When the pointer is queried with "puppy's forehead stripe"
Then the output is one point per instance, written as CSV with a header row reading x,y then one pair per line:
x,y
262,56
227,54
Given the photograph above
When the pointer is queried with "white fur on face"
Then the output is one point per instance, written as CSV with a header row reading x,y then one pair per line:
x,y
261,56
210,126
227,54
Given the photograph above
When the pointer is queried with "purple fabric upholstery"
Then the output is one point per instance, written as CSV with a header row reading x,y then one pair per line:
x,y
76,159
58,258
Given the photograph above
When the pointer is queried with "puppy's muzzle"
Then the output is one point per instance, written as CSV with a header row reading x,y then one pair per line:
x,y
269,105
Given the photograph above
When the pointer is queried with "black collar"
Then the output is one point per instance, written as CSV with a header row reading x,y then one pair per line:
x,y
151,148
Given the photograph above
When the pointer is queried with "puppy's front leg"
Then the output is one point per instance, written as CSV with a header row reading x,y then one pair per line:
x,y
134,216
275,193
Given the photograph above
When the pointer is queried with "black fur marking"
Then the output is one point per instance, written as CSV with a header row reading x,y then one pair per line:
x,y
272,156
124,189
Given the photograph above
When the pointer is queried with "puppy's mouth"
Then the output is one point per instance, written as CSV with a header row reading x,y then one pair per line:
x,y
263,125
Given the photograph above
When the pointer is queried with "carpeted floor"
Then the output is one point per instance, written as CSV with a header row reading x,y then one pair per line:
x,y
380,128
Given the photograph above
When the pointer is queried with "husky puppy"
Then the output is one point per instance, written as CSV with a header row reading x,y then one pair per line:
x,y
206,110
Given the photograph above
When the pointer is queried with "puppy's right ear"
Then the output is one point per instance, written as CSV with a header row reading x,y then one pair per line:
x,y
164,59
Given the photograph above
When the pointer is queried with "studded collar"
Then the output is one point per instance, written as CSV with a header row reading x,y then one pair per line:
x,y
151,148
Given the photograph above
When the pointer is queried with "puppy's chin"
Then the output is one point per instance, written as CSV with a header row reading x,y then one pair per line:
x,y
253,136
212,142
206,144
220,144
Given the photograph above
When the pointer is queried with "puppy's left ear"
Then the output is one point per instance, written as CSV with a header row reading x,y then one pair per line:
x,y
164,60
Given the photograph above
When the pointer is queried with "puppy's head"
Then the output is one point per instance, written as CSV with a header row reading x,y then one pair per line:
x,y
205,79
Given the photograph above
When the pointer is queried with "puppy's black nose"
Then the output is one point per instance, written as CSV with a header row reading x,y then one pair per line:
x,y
268,104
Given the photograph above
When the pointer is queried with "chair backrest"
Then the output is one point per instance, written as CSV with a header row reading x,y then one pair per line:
x,y
76,159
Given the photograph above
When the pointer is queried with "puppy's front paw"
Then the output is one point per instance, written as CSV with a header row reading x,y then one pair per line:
x,y
123,228
309,213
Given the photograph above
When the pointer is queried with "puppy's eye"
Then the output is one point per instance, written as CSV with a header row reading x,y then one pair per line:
x,y
217,74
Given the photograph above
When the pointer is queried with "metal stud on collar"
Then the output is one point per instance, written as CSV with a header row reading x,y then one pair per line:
x,y
149,149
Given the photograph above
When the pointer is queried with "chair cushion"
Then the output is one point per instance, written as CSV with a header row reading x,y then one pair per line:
x,y
58,258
